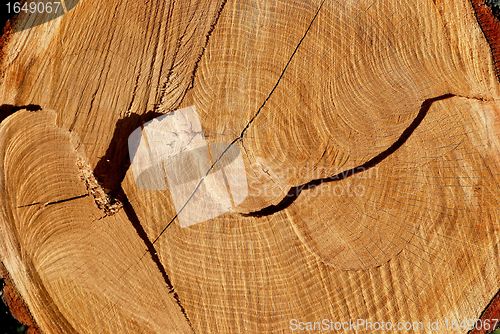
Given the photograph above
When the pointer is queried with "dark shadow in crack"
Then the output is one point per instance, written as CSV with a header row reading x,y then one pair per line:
x,y
141,232
113,166
110,172
294,192
8,109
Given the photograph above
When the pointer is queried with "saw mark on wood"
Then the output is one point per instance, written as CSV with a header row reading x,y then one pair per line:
x,y
111,169
178,45
111,177
123,163
169,9
132,99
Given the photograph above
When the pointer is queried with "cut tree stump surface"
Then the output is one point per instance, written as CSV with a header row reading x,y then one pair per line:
x,y
369,132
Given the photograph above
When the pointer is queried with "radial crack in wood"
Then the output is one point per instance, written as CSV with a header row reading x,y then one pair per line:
x,y
89,265
302,90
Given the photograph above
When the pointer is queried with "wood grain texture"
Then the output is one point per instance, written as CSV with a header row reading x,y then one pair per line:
x,y
369,131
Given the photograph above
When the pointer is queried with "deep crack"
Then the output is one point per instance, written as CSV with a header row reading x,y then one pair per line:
x,y
69,199
197,61
110,172
134,219
207,39
111,169
240,137
294,192
8,109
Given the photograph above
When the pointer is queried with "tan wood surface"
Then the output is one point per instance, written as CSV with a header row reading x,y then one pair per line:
x,y
399,100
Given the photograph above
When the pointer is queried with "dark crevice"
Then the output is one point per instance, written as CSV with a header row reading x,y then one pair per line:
x,y
134,219
113,166
207,39
294,192
198,58
8,109
54,202
66,199
240,137
110,172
